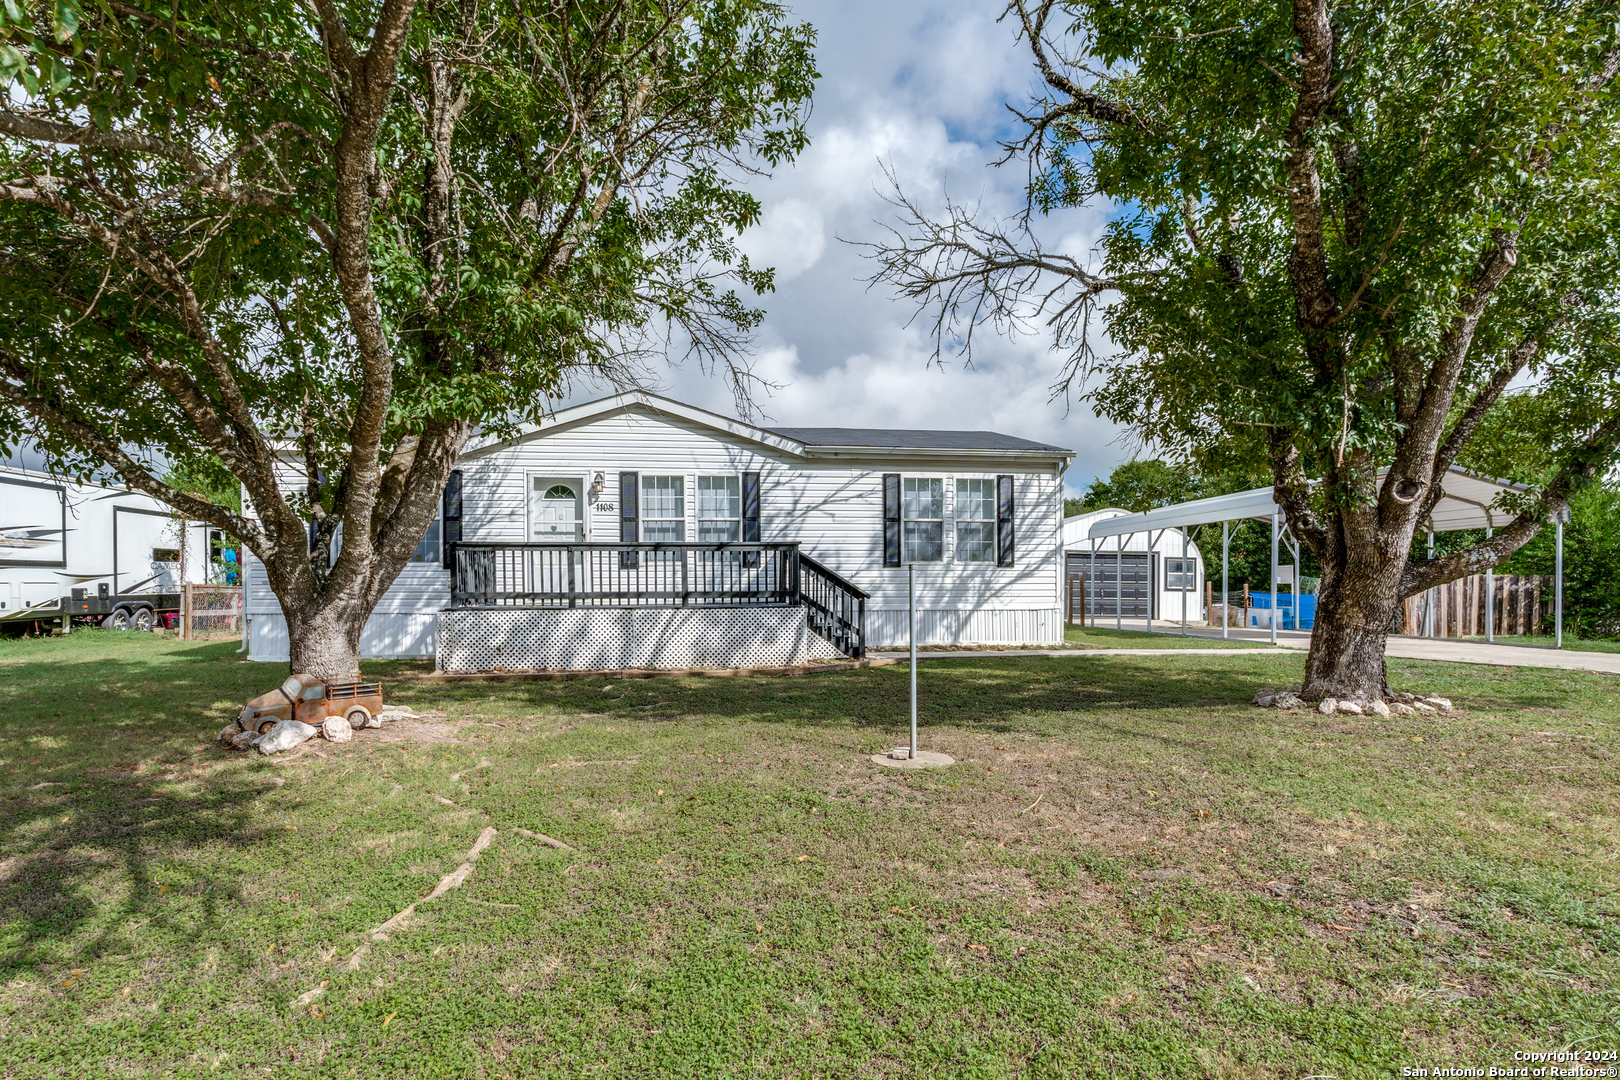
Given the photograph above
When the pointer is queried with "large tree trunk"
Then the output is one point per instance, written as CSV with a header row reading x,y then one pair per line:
x,y
323,634
1353,615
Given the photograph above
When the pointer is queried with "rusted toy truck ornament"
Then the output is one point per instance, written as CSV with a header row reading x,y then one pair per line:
x,y
311,700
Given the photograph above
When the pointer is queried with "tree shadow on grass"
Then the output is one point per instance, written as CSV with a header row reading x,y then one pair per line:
x,y
94,856
83,834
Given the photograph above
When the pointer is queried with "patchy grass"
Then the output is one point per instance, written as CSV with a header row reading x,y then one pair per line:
x,y
1104,638
1130,872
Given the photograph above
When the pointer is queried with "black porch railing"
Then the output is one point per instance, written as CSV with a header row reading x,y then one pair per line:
x,y
622,575
835,607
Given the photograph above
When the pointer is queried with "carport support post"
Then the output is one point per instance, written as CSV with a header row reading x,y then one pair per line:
x,y
1226,600
1490,597
1274,608
1091,583
1428,598
1183,531
1558,582
1119,580
911,622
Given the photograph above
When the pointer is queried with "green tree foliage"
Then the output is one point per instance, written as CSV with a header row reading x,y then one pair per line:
x,y
335,238
1591,562
1340,234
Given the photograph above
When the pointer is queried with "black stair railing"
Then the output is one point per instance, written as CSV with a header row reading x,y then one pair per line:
x,y
835,607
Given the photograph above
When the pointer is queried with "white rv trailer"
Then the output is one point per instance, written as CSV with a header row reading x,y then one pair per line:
x,y
89,554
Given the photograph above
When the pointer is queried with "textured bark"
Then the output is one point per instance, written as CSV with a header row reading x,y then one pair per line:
x,y
324,637
1355,608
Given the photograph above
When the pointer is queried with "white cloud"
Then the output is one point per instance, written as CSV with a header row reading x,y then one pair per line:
x,y
790,236
921,87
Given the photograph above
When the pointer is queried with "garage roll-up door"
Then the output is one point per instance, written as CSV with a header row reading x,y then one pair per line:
x,y
1130,596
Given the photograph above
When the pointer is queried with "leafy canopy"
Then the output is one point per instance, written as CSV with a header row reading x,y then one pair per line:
x,y
553,189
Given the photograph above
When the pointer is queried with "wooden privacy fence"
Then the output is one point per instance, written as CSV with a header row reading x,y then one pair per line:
x,y
1523,605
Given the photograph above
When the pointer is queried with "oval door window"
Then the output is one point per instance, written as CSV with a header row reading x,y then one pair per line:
x,y
556,513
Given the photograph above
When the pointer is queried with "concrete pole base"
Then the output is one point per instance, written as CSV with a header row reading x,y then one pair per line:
x,y
900,758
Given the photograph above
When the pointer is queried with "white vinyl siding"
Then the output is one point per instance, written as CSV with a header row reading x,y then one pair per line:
x,y
719,509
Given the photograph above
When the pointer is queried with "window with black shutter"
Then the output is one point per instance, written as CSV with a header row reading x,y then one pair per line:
x,y
1004,520
629,518
891,519
450,533
750,516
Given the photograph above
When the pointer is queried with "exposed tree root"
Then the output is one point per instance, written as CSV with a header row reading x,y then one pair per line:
x,y
450,881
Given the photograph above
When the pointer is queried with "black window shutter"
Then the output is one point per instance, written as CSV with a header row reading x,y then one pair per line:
x,y
629,517
450,532
1004,520
750,516
891,519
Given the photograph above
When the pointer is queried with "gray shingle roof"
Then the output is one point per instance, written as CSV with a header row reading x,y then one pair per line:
x,y
899,439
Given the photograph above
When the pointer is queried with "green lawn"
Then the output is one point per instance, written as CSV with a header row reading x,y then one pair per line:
x,y
1130,872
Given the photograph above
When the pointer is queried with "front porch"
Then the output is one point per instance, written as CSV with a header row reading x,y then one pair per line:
x,y
595,607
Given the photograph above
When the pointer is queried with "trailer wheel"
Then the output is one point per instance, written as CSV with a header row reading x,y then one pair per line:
x,y
358,717
266,724
118,620
141,619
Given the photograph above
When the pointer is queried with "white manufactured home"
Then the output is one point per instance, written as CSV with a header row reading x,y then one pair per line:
x,y
637,531
1147,576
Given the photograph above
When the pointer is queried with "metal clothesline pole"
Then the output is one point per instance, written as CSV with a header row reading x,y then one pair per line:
x,y
911,620
1558,582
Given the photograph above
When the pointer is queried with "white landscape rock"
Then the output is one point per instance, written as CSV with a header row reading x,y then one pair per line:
x,y
1443,704
243,740
1290,700
1378,708
1351,707
1424,707
1401,708
228,732
337,729
284,736
1327,706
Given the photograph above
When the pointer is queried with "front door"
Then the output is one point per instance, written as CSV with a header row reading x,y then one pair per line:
x,y
555,517
554,511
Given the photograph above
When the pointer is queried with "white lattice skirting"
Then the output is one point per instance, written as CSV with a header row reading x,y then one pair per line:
x,y
610,638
